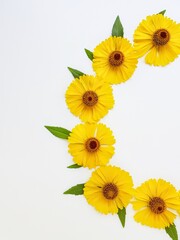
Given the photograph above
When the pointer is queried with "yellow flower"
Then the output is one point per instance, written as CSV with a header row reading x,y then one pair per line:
x,y
91,145
114,60
109,189
89,98
159,37
155,201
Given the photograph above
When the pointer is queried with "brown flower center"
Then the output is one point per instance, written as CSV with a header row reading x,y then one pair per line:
x,y
110,191
157,205
92,145
116,58
161,37
90,98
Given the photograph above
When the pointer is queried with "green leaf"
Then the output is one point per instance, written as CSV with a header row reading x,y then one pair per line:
x,y
122,215
117,29
89,54
74,166
172,232
76,190
76,73
59,132
162,12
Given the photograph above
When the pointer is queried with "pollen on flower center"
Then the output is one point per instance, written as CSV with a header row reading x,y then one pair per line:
x,y
110,191
116,58
157,205
161,37
90,98
92,145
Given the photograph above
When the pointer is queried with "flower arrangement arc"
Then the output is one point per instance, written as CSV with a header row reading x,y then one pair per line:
x,y
91,144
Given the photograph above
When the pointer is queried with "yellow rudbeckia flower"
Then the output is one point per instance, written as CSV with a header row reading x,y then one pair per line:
x,y
109,189
91,145
89,98
158,37
114,60
156,201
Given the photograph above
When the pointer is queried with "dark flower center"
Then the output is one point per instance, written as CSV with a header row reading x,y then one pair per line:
x,y
116,58
92,145
110,191
161,37
90,98
157,205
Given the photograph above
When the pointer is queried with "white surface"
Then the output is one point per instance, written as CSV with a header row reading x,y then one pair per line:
x,y
39,39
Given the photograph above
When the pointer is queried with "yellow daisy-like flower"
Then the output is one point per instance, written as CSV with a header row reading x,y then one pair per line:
x,y
109,189
155,201
159,37
91,145
114,60
89,98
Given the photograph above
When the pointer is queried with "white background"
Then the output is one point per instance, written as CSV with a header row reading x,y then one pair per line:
x,y
38,40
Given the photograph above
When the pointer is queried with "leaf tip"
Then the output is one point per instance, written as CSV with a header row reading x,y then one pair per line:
x,y
163,12
74,166
47,127
86,50
89,54
117,29
122,216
